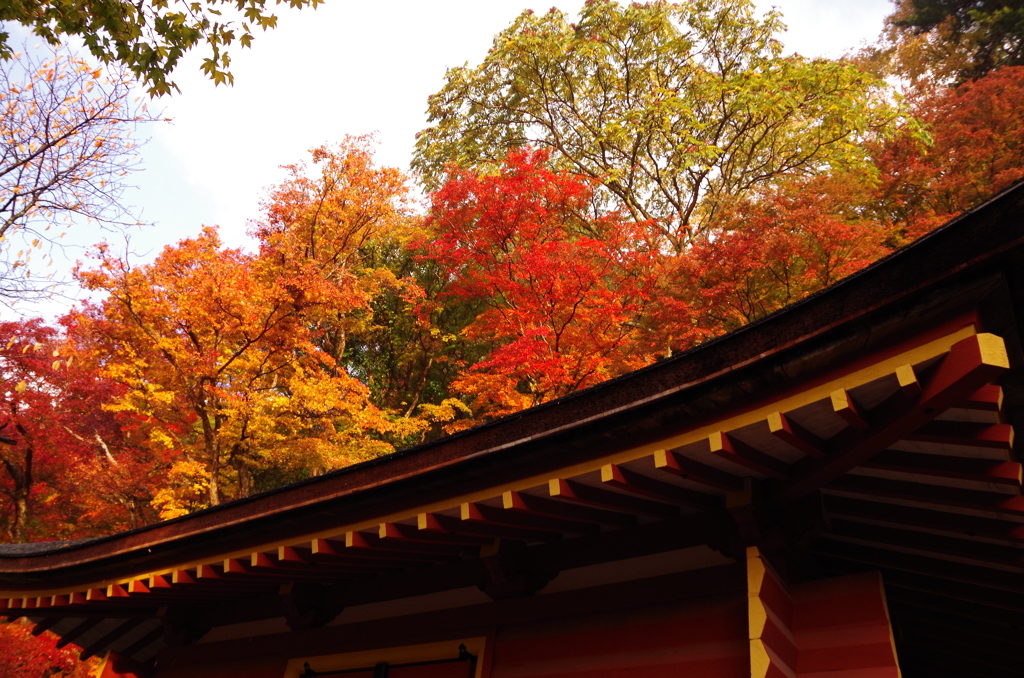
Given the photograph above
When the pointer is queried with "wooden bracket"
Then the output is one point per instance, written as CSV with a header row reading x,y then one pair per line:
x,y
182,626
509,573
307,605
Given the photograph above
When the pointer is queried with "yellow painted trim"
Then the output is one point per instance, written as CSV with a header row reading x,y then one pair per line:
x,y
760,662
888,620
393,655
756,571
906,376
990,348
757,618
993,350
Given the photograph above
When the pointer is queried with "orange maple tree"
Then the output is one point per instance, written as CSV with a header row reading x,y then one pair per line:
x,y
344,226
212,345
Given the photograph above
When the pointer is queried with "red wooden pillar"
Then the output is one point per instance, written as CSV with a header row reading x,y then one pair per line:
x,y
773,651
831,628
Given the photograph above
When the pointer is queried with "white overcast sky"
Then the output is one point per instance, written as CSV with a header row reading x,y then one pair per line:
x,y
352,68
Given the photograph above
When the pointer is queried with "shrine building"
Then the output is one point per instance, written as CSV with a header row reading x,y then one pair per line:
x,y
829,491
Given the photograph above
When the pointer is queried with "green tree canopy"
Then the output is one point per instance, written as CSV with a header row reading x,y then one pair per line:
x,y
989,33
147,36
676,109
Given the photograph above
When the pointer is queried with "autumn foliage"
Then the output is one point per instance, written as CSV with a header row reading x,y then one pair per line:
x,y
359,327
564,295
362,323
976,149
25,655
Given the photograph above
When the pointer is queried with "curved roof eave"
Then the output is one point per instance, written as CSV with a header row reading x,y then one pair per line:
x,y
768,353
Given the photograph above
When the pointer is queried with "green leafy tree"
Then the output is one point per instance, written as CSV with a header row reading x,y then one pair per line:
x,y
961,39
676,109
150,36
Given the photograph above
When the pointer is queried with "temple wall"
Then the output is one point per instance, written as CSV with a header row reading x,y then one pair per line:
x,y
706,624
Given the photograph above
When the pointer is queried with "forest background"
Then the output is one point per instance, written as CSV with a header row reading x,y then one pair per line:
x,y
601,192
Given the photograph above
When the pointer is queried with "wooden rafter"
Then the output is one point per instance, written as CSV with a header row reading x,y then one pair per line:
x,y
971,363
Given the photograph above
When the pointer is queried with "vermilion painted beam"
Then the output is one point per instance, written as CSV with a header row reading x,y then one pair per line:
x,y
362,543
137,586
995,436
739,452
970,364
869,486
157,581
621,478
292,556
400,532
334,551
271,564
436,522
45,625
116,591
847,408
78,631
684,467
143,642
262,567
942,591
909,386
236,567
237,578
93,595
571,490
551,508
102,644
489,515
943,547
984,577
897,515
956,663
207,572
931,664
991,640
1009,473
988,398
961,613
795,435
261,561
